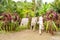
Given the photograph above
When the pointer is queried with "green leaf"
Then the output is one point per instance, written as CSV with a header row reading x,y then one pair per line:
x,y
47,25
55,26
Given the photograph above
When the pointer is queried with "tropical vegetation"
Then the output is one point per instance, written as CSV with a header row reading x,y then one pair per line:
x,y
12,12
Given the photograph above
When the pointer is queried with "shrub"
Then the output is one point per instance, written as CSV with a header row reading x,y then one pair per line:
x,y
50,24
10,22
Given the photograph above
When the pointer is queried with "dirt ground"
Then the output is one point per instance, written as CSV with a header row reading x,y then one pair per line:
x,y
28,35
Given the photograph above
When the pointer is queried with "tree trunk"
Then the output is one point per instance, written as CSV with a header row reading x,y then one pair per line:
x,y
34,7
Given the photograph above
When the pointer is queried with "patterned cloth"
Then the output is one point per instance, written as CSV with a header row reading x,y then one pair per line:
x,y
33,21
24,22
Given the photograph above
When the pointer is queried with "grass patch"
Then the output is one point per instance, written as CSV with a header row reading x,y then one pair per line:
x,y
22,28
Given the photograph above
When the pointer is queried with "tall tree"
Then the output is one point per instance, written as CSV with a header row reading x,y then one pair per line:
x,y
7,5
56,5
34,7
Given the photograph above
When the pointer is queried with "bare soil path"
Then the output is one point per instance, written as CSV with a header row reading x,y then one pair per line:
x,y
28,35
